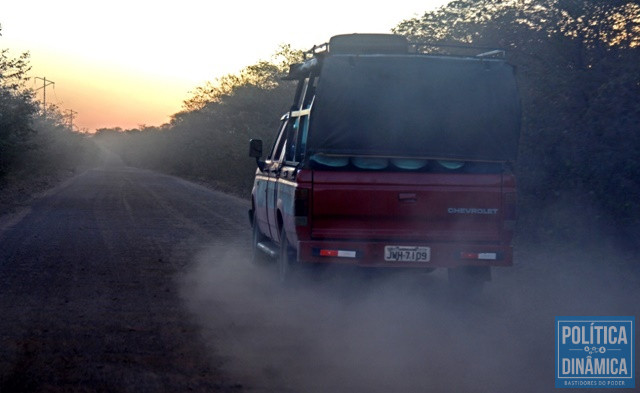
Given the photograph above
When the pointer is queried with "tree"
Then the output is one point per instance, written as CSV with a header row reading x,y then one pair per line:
x,y
262,75
31,143
16,109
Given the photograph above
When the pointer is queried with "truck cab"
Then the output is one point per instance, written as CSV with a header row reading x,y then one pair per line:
x,y
391,158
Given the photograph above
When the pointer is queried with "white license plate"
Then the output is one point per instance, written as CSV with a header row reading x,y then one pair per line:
x,y
407,254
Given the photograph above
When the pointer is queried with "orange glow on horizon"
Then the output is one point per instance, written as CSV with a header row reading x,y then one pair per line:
x,y
108,97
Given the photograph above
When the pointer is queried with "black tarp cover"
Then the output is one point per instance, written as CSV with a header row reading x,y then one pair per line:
x,y
416,106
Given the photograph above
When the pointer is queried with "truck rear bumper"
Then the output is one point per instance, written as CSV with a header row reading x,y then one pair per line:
x,y
372,254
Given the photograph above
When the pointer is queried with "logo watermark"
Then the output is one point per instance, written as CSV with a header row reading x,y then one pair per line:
x,y
595,352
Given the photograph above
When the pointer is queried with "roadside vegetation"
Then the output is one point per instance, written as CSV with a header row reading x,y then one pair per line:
x,y
37,147
577,67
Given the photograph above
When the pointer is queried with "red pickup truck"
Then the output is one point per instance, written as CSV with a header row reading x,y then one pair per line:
x,y
391,158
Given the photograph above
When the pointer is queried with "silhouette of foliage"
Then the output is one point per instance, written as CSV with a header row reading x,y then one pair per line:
x,y
30,142
16,109
262,75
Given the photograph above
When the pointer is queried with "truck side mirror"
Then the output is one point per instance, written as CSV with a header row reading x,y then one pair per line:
x,y
255,150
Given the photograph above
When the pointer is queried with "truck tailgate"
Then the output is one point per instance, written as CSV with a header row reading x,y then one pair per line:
x,y
436,207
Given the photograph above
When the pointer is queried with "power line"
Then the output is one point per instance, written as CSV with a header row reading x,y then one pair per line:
x,y
58,101
45,83
70,113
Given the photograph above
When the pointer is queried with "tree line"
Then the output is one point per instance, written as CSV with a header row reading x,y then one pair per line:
x,y
34,142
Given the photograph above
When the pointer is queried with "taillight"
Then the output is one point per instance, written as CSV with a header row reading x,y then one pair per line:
x,y
509,206
481,256
323,252
301,206
509,209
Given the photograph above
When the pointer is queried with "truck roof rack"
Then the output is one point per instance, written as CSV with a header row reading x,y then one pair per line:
x,y
392,44
317,50
396,44
361,44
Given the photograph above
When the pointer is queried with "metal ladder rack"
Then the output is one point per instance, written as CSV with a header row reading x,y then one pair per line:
x,y
420,48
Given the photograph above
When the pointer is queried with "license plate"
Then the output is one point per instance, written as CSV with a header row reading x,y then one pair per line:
x,y
407,254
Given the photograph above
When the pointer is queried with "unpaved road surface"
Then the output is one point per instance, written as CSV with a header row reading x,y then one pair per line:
x,y
89,287
124,280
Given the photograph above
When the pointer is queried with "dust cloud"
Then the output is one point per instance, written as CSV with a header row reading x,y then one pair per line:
x,y
344,330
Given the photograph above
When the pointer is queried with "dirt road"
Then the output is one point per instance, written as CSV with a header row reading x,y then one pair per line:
x,y
89,285
125,280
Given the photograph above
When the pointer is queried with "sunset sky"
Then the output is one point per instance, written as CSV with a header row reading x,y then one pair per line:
x,y
128,63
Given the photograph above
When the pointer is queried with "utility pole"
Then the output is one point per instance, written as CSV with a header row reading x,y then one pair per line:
x,y
70,113
45,83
